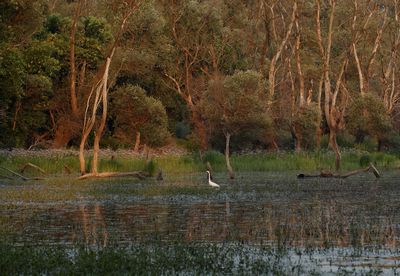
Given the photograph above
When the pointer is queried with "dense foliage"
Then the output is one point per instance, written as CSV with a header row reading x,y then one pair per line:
x,y
196,70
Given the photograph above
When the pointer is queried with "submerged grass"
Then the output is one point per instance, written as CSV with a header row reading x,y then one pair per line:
x,y
162,259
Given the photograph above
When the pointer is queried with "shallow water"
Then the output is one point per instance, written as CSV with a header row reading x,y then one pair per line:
x,y
330,217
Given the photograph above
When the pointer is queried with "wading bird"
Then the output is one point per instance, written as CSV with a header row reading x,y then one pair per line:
x,y
211,183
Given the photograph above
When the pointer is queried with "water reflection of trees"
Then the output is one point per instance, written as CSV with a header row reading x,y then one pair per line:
x,y
316,223
94,228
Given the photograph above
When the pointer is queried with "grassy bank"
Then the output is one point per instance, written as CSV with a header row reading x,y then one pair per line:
x,y
192,163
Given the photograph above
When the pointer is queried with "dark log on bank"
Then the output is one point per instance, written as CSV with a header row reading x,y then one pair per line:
x,y
370,168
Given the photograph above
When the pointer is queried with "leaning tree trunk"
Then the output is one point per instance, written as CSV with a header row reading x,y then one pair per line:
x,y
100,130
227,156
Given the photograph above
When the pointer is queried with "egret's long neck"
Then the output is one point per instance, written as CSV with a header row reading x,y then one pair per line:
x,y
209,177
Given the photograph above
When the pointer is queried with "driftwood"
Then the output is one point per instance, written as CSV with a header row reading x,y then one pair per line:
x,y
370,168
140,175
33,166
21,176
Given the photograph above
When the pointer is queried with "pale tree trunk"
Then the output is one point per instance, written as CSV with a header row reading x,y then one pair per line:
x,y
298,65
137,142
301,102
89,122
296,132
272,68
333,115
227,155
318,133
100,129
364,74
391,95
333,144
100,89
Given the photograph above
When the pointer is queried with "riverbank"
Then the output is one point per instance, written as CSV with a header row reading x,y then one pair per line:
x,y
173,161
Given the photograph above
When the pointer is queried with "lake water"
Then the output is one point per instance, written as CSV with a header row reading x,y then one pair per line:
x,y
337,224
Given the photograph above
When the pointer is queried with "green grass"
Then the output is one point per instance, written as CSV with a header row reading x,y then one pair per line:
x,y
277,162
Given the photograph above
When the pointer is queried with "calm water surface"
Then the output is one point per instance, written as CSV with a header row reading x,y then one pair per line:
x,y
257,209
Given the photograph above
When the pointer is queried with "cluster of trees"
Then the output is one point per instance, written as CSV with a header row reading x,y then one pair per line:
x,y
259,73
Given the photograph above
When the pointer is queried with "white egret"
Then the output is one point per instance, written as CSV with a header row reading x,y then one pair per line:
x,y
211,183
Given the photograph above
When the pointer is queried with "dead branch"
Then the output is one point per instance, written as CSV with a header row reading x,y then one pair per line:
x,y
33,166
370,168
21,176
140,175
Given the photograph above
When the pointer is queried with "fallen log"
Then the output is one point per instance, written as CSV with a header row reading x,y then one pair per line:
x,y
140,175
370,168
21,176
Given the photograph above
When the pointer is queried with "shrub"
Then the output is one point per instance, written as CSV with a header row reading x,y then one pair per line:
x,y
134,112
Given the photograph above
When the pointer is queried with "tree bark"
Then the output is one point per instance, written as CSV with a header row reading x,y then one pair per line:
x,y
137,142
334,146
99,87
227,155
100,129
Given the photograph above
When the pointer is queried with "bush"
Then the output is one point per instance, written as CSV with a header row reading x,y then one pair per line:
x,y
213,157
151,167
366,116
133,111
182,130
305,124
365,160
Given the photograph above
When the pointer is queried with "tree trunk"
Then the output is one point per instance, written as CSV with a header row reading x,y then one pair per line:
x,y
137,142
334,146
298,139
100,129
227,156
100,88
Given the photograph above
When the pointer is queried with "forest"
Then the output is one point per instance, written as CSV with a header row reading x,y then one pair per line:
x,y
210,74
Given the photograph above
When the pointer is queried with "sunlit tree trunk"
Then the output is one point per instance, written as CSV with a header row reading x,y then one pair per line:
x,y
100,129
227,155
364,73
100,90
137,142
333,111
